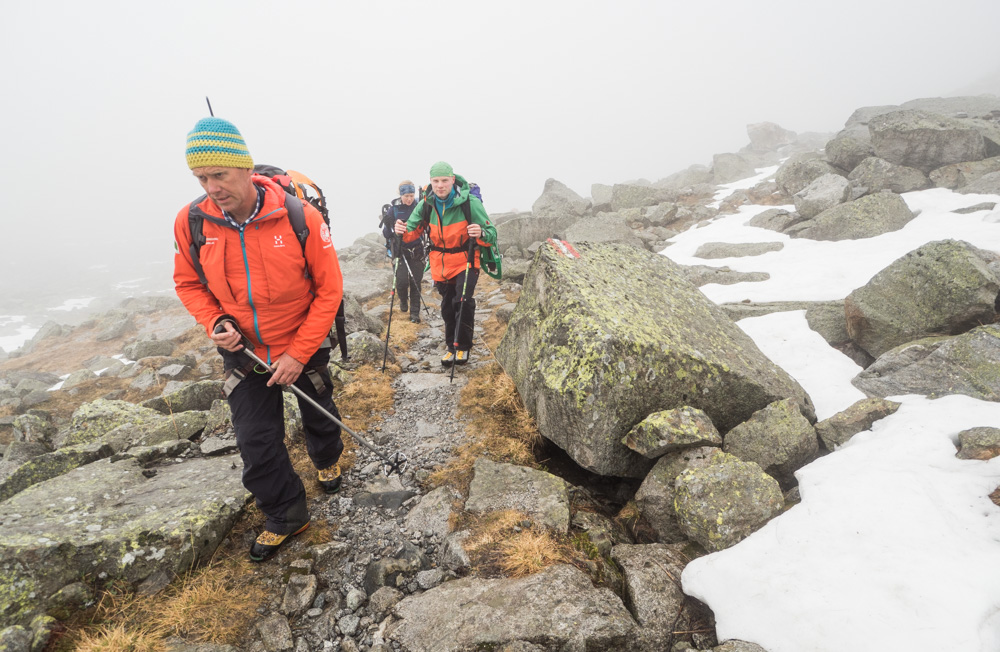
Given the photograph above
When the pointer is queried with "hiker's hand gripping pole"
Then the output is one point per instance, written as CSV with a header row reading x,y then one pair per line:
x,y
395,463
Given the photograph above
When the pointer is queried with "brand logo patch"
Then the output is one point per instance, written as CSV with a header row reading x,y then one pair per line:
x,y
324,232
278,242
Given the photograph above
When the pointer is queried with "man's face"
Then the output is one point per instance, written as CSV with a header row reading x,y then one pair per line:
x,y
442,186
229,188
407,199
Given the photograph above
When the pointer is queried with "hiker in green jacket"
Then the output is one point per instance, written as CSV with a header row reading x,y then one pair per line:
x,y
455,221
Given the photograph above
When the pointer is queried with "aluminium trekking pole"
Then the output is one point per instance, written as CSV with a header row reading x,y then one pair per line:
x,y
461,304
392,302
396,462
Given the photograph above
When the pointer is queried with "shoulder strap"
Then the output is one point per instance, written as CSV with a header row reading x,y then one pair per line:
x,y
297,216
196,224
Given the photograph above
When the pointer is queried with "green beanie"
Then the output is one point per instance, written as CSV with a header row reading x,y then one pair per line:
x,y
441,169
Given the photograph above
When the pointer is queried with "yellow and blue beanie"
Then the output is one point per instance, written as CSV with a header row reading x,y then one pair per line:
x,y
215,142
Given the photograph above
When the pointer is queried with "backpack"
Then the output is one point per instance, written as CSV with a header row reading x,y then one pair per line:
x,y
489,257
297,185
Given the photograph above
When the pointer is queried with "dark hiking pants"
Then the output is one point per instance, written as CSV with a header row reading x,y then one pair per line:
x,y
408,288
259,421
452,305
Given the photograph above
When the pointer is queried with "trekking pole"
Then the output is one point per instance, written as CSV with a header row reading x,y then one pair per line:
x,y
392,303
461,303
396,462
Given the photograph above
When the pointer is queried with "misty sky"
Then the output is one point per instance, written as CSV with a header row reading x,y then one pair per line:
x,y
99,97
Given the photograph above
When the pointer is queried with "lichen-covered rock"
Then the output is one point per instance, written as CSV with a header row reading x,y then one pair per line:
x,y
74,526
670,430
860,416
958,175
542,496
867,217
721,504
778,438
558,605
655,497
605,336
148,348
849,147
981,443
33,428
633,195
942,288
49,465
925,141
93,420
653,594
964,364
192,396
736,249
366,348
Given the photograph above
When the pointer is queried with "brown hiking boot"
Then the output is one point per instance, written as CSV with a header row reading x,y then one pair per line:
x,y
268,543
329,478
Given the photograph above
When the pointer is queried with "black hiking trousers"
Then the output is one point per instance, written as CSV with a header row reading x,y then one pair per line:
x,y
408,288
452,305
259,421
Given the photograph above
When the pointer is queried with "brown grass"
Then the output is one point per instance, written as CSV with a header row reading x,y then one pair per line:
x,y
500,428
506,544
216,604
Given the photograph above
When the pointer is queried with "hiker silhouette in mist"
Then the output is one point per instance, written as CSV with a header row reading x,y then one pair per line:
x,y
250,280
456,222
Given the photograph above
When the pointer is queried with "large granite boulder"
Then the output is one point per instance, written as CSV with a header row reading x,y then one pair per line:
x,y
963,364
778,438
558,200
875,174
559,606
867,217
636,195
824,192
522,232
858,417
606,227
799,171
671,430
849,147
653,593
769,137
925,141
72,526
731,167
942,288
606,334
655,497
720,504
958,175
543,497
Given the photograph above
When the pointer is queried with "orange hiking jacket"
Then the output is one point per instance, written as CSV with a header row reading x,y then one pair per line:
x,y
257,274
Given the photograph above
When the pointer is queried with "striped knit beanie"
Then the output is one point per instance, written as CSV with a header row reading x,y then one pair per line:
x,y
215,142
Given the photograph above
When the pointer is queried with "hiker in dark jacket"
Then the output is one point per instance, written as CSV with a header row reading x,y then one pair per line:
x,y
409,272
451,266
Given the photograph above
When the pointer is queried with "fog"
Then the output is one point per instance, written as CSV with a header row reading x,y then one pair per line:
x,y
99,97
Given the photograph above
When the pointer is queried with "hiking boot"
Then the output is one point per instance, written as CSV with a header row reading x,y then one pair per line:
x,y
268,543
329,478
448,359
415,318
403,307
462,357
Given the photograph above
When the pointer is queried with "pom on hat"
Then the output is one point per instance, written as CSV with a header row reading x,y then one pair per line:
x,y
442,169
217,143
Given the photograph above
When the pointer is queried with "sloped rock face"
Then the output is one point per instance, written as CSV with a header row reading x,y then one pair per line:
x,y
557,200
653,593
838,429
599,341
849,147
942,288
874,174
800,171
867,217
671,430
558,608
965,364
959,175
925,141
111,520
542,496
824,192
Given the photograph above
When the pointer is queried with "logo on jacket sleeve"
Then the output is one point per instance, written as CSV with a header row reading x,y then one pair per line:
x,y
324,232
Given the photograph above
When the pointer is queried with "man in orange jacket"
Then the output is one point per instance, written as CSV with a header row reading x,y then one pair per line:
x,y
251,270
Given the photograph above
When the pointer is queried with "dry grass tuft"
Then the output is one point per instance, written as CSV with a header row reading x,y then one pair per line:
x,y
500,428
216,604
508,544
